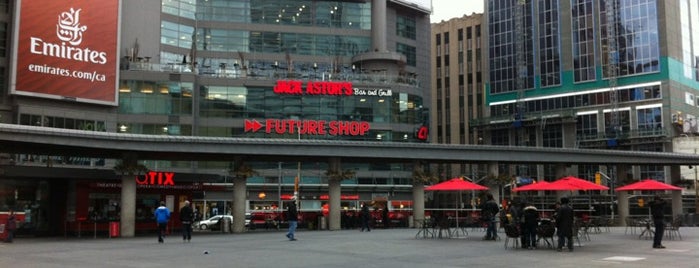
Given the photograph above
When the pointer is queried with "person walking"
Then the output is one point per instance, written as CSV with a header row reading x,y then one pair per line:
x,y
292,215
186,217
488,213
657,210
366,216
10,226
530,220
564,224
162,216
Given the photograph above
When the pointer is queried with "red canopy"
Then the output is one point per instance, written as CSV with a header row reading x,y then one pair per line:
x,y
455,184
648,185
539,186
570,183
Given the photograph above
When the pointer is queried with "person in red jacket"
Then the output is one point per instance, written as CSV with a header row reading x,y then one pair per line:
x,y
11,226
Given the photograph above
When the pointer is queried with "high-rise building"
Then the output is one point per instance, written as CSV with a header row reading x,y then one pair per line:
x,y
457,86
309,69
603,74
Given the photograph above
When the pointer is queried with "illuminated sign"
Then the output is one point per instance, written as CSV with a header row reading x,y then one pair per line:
x,y
328,88
422,133
291,87
373,92
309,127
66,49
156,178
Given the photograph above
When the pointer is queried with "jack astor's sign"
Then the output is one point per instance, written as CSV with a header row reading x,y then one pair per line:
x,y
290,87
309,127
327,88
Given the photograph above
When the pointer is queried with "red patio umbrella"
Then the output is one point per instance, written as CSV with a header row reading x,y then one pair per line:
x,y
539,186
648,185
571,183
456,184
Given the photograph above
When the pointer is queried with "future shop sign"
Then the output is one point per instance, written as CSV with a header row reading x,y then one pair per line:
x,y
316,127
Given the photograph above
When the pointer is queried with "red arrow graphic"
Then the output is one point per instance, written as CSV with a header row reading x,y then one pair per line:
x,y
252,125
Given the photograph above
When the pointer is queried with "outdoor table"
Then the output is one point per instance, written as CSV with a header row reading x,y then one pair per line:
x,y
458,229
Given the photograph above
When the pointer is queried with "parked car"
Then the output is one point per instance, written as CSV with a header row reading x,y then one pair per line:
x,y
214,223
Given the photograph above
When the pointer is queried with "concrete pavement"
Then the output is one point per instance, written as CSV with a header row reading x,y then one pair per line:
x,y
346,248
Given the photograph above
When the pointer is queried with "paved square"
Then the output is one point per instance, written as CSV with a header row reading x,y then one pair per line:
x,y
346,248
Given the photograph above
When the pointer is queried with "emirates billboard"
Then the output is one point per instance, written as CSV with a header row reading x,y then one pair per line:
x,y
67,49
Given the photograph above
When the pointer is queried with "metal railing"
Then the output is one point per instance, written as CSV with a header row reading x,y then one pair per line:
x,y
260,73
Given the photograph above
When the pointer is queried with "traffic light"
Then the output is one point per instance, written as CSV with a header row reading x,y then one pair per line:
x,y
598,178
640,202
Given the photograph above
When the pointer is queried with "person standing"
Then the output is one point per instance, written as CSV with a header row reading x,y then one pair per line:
x,y
530,220
657,210
10,226
162,216
292,215
488,213
366,216
186,217
384,217
564,224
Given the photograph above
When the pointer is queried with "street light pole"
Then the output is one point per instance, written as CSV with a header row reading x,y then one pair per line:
x,y
279,190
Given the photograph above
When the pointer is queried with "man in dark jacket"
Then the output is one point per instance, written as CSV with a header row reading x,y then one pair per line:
x,y
564,224
657,210
186,217
366,216
488,213
292,216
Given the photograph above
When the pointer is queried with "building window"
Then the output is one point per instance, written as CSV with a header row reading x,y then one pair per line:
x,y
409,52
650,121
503,40
583,35
552,136
405,27
3,39
637,37
624,123
549,47
689,98
586,126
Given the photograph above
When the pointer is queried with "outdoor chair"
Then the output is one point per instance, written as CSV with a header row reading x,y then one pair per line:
x,y
673,229
578,231
545,232
631,224
512,233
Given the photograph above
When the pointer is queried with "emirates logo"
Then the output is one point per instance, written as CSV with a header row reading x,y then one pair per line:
x,y
68,28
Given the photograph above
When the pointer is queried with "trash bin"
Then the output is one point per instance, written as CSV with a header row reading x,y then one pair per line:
x,y
225,225
113,229
321,223
411,224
